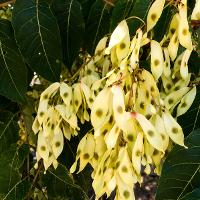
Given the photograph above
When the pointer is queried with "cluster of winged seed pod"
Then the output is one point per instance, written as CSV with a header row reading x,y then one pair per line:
x,y
130,112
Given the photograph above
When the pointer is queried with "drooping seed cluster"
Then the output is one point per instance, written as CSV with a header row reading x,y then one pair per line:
x,y
131,115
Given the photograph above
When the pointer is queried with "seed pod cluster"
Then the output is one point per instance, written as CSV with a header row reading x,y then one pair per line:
x,y
129,111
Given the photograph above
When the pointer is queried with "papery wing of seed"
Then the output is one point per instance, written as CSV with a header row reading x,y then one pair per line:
x,y
43,107
157,160
55,164
100,149
86,115
147,169
107,177
174,97
63,111
173,25
132,44
73,122
125,191
196,11
36,125
160,127
106,65
166,69
173,129
98,186
154,13
153,137
182,83
58,141
44,99
48,162
66,93
122,49
88,94
167,84
88,151
77,97
148,151
66,130
100,108
145,40
143,98
118,35
49,122
97,84
78,153
184,64
125,168
98,179
106,127
134,59
173,46
184,34
119,107
157,61
150,83
113,58
137,153
100,48
42,147
186,102
89,80
112,136
176,67
111,185
50,91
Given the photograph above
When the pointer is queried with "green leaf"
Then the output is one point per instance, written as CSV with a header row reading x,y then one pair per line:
x,y
38,37
163,24
120,12
60,184
11,184
181,170
71,24
139,9
97,25
86,6
8,130
194,195
12,68
191,119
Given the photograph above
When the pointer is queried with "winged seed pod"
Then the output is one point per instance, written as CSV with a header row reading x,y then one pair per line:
x,y
120,32
44,99
137,153
173,45
173,25
186,102
183,28
184,64
150,132
196,11
173,129
154,13
157,61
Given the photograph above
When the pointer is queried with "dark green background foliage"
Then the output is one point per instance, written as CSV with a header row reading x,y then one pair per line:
x,y
46,37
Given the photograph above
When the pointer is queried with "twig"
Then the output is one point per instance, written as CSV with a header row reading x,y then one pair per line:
x,y
6,3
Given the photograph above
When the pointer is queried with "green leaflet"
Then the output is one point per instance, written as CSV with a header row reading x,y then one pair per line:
x,y
180,174
38,37
13,71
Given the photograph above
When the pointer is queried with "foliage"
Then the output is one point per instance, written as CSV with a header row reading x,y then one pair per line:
x,y
51,62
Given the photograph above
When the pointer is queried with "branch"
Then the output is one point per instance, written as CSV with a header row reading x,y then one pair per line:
x,y
6,3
